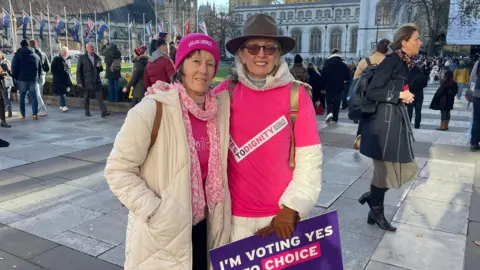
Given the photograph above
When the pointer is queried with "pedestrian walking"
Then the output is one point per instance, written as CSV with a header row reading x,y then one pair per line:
x,y
113,61
160,67
387,134
298,71
26,69
417,82
42,108
278,182
461,76
61,80
373,60
475,134
7,82
140,62
168,166
335,74
444,99
315,81
89,66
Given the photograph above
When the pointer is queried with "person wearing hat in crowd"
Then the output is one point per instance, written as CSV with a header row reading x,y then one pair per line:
x,y
160,67
26,69
168,166
298,71
140,62
271,189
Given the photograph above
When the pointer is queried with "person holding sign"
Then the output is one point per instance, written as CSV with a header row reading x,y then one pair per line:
x,y
387,134
168,166
275,158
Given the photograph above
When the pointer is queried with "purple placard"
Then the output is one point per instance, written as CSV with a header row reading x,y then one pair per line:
x,y
315,245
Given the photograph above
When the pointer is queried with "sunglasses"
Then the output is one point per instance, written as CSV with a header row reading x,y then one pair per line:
x,y
254,49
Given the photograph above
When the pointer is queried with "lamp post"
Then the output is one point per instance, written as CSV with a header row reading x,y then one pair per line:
x,y
346,36
376,37
325,47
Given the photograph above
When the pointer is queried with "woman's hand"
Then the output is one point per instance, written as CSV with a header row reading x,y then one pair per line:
x,y
283,224
407,96
124,90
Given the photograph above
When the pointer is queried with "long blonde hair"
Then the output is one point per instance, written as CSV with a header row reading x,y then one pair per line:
x,y
314,67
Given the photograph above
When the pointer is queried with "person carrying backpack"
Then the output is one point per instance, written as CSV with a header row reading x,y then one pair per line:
x,y
113,59
372,60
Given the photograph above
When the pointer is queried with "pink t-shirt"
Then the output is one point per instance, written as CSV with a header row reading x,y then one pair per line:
x,y
200,134
258,169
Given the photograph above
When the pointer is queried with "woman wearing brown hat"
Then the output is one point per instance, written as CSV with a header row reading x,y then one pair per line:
x,y
387,134
275,157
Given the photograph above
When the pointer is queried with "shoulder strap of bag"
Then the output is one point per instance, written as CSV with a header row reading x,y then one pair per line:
x,y
369,63
294,100
156,123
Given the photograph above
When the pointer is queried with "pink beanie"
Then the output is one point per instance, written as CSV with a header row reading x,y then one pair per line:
x,y
193,42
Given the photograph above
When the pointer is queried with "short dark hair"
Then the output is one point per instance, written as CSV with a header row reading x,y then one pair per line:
x,y
382,46
178,75
404,33
334,51
160,42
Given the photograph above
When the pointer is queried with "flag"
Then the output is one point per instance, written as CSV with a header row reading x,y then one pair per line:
x,y
203,27
174,28
5,23
90,25
101,29
25,21
160,28
130,25
187,26
43,22
76,30
148,29
58,27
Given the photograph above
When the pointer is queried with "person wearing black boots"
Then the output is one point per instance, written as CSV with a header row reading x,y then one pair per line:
x,y
387,134
418,82
3,122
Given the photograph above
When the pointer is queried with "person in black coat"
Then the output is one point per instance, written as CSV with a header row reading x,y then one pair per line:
x,y
335,74
444,99
61,80
140,62
113,74
315,81
89,66
387,134
417,82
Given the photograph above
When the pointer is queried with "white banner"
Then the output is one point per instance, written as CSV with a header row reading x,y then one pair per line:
x,y
462,34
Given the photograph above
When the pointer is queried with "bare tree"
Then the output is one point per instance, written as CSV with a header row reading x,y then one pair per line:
x,y
221,26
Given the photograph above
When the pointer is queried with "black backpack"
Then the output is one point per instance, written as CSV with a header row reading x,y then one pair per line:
x,y
356,98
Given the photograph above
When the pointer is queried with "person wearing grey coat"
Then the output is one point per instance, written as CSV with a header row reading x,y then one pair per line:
x,y
475,135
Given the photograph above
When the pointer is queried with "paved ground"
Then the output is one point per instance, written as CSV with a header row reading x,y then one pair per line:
x,y
56,211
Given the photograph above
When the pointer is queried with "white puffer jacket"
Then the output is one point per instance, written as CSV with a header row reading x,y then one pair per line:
x,y
155,185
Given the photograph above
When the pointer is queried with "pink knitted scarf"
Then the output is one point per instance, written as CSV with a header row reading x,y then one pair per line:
x,y
214,189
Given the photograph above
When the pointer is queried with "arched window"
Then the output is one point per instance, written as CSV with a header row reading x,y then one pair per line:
x,y
300,14
315,40
384,9
273,14
328,13
353,39
338,13
336,39
282,15
290,15
346,12
308,14
297,35
357,12
318,14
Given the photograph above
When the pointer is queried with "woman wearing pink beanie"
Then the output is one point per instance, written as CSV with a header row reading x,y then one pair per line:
x,y
168,166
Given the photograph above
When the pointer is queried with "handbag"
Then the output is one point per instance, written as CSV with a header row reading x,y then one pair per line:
x,y
8,82
319,110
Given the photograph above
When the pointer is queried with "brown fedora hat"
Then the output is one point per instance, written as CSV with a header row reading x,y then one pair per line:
x,y
260,26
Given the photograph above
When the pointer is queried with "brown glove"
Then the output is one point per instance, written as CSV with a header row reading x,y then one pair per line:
x,y
283,224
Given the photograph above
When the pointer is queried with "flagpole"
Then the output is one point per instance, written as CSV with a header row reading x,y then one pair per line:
x,y
82,41
109,37
144,31
13,23
129,41
183,20
197,19
66,26
49,35
156,16
31,19
95,25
